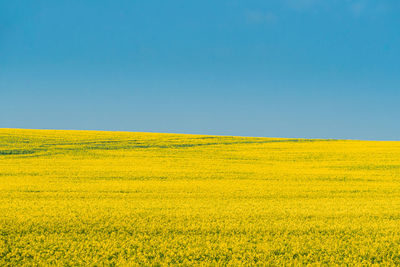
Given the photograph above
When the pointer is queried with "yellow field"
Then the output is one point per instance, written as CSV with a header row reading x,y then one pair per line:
x,y
105,198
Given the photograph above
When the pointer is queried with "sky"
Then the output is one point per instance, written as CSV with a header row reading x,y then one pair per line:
x,y
273,68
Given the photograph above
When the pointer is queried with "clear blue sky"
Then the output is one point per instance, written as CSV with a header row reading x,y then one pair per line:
x,y
276,68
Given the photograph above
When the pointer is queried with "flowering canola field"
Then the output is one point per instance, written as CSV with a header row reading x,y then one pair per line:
x,y
121,198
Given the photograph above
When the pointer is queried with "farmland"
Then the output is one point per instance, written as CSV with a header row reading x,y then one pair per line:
x,y
123,198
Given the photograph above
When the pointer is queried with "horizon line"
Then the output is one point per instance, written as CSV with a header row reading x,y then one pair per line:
x,y
180,133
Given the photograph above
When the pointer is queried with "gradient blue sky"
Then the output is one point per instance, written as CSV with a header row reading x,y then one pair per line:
x,y
276,68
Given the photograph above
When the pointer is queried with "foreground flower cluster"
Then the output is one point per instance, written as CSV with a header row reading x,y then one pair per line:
x,y
118,198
